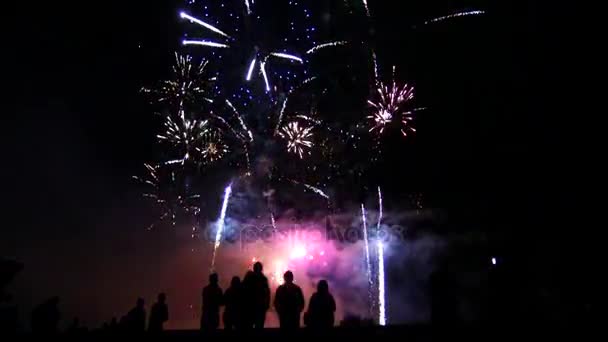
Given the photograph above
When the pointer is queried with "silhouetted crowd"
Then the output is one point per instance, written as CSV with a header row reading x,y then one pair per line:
x,y
245,305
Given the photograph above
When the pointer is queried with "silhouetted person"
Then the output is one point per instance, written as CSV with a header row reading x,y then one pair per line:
x,y
289,303
46,316
321,308
136,318
212,300
257,296
233,300
75,326
113,324
159,314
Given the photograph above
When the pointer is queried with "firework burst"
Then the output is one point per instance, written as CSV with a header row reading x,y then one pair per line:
x,y
164,190
184,135
298,138
390,104
212,147
188,85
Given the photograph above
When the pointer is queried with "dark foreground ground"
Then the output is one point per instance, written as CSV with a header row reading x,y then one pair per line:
x,y
343,334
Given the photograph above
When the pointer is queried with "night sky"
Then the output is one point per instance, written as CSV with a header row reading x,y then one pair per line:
x,y
493,151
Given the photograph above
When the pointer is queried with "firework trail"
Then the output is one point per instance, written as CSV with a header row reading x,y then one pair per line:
x,y
454,15
240,118
325,45
312,188
220,224
366,8
367,259
381,289
210,27
379,208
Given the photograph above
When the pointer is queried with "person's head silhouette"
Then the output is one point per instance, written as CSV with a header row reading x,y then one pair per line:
x,y
236,281
162,297
140,303
322,286
288,277
213,279
257,267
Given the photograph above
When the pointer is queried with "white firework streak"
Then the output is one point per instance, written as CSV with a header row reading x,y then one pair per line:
x,y
366,7
210,27
316,190
308,118
250,71
325,45
381,292
274,225
248,7
312,188
204,43
287,56
241,121
367,258
220,224
454,15
375,59
381,289
263,67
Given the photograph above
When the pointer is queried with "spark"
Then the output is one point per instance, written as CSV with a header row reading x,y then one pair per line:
x,y
298,138
204,43
454,15
263,67
367,256
251,67
220,223
325,45
287,56
192,19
